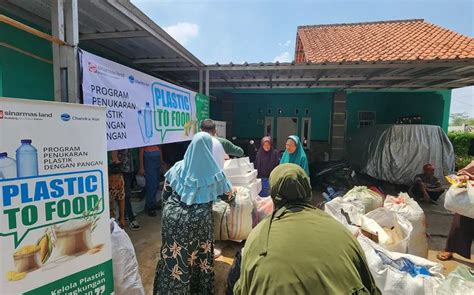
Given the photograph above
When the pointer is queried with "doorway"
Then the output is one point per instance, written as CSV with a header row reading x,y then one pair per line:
x,y
286,126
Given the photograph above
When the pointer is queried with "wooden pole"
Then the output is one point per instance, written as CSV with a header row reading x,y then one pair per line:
x,y
23,27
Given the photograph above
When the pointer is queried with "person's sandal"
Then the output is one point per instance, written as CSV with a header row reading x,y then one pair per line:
x,y
134,225
444,256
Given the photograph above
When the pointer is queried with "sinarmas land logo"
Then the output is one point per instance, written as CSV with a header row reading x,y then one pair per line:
x,y
92,67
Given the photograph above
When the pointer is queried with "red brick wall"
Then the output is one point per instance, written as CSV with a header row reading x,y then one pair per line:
x,y
299,52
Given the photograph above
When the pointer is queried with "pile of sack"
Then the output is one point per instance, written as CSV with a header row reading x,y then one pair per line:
x,y
392,233
235,219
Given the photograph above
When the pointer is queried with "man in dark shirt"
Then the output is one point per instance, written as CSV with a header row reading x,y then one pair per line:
x,y
427,186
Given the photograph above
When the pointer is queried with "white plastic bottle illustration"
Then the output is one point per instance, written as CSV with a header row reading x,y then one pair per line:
x,y
148,121
7,167
26,159
141,124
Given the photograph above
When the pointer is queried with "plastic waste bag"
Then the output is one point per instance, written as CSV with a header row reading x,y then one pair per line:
x,y
461,200
393,281
458,282
346,213
127,279
409,208
364,198
403,264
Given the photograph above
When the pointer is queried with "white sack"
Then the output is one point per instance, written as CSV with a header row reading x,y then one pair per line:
x,y
127,279
460,200
411,210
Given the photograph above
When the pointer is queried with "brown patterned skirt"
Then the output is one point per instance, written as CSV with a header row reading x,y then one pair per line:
x,y
187,252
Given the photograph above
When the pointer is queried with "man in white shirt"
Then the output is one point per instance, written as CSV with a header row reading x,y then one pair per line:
x,y
209,126
220,156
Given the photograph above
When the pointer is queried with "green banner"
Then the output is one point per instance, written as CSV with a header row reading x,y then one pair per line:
x,y
96,280
202,108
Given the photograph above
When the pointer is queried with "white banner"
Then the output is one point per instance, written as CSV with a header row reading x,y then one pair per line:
x,y
54,201
141,110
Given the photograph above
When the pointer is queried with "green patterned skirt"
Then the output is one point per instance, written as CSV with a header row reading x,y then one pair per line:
x,y
187,252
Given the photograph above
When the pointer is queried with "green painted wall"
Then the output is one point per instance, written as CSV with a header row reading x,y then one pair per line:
x,y
432,106
21,75
250,110
447,108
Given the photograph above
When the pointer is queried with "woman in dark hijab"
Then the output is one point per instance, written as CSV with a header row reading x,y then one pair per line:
x,y
267,159
300,249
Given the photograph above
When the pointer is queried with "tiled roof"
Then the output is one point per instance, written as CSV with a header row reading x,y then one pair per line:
x,y
403,40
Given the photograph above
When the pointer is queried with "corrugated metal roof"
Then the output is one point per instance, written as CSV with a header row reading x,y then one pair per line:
x,y
361,75
116,29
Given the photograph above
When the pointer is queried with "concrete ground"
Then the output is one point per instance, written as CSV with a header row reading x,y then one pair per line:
x,y
147,244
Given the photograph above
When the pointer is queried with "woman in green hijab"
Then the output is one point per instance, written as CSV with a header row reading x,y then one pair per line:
x,y
300,249
295,154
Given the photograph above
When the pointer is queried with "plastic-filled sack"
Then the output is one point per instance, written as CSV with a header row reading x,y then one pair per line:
x,y
141,182
364,198
393,230
404,265
458,282
346,213
233,221
460,200
127,279
262,207
409,208
393,281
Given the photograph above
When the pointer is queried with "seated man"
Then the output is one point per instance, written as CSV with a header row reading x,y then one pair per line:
x,y
427,186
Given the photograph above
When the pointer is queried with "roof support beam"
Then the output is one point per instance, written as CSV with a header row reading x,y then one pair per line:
x,y
174,69
158,60
16,24
207,82
114,35
137,16
334,78
200,81
286,86
360,66
443,64
459,81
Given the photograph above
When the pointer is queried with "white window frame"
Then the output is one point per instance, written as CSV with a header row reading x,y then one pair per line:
x,y
303,120
366,123
269,120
